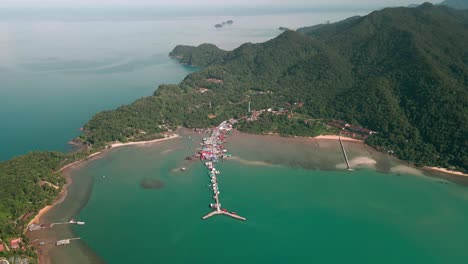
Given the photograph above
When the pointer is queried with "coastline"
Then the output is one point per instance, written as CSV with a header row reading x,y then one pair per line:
x,y
437,169
43,256
444,170
335,137
120,144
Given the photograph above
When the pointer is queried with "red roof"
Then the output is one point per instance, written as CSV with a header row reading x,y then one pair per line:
x,y
14,243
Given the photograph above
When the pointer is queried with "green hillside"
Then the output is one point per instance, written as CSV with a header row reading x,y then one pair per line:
x,y
201,56
402,72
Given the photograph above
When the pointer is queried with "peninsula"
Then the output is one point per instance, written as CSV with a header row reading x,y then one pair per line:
x,y
385,78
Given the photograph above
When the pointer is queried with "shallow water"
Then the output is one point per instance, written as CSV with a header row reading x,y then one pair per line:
x,y
295,213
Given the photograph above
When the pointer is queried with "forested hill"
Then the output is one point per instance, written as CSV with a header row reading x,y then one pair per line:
x,y
201,56
458,4
410,68
402,72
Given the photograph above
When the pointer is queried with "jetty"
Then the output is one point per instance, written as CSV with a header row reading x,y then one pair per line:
x,y
344,154
212,152
65,242
35,227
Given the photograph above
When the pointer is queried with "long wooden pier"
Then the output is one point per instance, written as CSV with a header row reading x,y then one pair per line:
x,y
212,144
344,154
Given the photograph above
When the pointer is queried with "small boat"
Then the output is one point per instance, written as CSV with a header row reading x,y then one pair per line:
x,y
80,223
72,221
183,169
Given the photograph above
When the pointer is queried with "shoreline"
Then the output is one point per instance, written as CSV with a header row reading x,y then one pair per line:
x,y
445,170
336,137
43,256
120,144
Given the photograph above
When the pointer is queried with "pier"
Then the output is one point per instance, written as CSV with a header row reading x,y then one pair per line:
x,y
35,227
213,151
65,242
344,154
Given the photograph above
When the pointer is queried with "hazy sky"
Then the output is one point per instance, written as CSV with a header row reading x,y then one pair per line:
x,y
212,2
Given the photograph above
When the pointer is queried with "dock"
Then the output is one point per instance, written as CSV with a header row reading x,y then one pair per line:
x,y
212,152
223,213
65,242
344,154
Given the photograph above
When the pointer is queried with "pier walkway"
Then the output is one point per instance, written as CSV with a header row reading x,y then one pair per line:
x,y
344,154
223,213
213,151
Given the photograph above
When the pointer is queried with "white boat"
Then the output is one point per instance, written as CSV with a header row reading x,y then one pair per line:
x,y
80,223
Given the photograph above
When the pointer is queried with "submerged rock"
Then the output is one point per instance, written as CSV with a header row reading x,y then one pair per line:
x,y
152,184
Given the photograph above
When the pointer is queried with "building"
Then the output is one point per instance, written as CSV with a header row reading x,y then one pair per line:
x,y
15,243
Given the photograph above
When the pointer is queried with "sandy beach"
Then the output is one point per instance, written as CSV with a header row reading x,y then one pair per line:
x,y
62,194
335,137
42,255
120,144
444,170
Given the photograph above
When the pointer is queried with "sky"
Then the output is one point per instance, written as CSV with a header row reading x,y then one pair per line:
x,y
210,2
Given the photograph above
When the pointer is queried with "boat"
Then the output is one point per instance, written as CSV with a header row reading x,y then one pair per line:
x,y
224,210
80,223
72,221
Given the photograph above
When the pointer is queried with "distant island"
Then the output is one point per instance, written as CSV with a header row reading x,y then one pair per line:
x,y
382,78
228,22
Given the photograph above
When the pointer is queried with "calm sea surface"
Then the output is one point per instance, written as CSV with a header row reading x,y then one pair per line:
x,y
295,213
59,67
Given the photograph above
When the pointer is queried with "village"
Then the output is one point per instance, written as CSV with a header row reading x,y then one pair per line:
x,y
211,152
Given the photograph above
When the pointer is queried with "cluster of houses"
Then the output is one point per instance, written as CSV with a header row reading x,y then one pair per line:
x,y
14,245
351,130
256,114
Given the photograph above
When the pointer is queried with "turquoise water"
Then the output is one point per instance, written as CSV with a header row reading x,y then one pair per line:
x,y
59,66
293,215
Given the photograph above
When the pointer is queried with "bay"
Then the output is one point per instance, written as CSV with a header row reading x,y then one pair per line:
x,y
295,212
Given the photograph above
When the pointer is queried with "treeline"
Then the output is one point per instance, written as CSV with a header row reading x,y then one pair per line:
x,y
29,183
201,56
281,124
399,71
26,185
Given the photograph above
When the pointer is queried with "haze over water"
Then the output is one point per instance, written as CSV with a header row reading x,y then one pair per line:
x,y
59,66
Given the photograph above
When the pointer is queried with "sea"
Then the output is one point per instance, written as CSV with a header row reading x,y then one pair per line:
x,y
59,66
